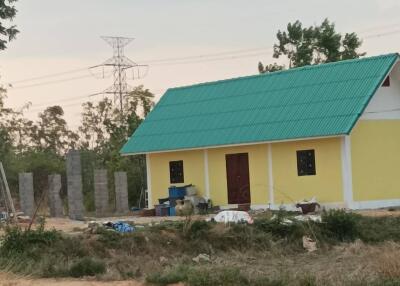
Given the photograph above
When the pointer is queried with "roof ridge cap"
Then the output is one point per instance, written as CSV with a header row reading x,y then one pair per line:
x,y
296,69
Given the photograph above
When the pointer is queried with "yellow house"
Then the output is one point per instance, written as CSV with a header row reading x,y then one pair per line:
x,y
329,131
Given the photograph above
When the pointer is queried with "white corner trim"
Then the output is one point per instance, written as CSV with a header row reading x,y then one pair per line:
x,y
347,176
148,173
206,175
270,177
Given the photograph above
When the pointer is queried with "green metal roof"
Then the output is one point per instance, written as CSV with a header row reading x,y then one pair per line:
x,y
312,101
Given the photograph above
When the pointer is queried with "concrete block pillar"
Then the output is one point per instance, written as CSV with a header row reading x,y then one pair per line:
x,y
26,195
101,192
74,185
55,203
121,192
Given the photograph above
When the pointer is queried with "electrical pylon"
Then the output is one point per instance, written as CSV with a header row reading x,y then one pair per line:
x,y
120,65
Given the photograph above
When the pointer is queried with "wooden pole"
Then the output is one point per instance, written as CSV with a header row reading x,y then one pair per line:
x,y
3,174
37,209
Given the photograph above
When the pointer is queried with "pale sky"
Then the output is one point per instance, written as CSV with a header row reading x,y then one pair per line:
x,y
58,36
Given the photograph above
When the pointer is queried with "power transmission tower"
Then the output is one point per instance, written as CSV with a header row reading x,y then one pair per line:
x,y
120,65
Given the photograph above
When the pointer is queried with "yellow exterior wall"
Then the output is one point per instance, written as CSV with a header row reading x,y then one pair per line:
x,y
375,155
193,171
258,171
326,185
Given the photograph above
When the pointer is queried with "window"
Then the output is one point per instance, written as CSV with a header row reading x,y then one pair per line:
x,y
306,162
386,82
176,172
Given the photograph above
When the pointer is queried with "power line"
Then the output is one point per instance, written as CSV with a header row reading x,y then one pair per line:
x,y
38,109
208,55
150,61
175,61
51,82
380,27
49,75
382,34
211,60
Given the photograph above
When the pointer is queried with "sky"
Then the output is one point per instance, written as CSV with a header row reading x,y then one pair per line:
x,y
182,41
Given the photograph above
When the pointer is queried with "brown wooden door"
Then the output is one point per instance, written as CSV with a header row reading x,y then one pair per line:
x,y
238,180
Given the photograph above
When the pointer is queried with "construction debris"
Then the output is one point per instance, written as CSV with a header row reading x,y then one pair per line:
x,y
309,244
308,206
201,258
315,218
233,216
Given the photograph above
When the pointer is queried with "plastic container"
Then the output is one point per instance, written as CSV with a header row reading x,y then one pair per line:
x,y
162,210
172,211
148,212
165,211
191,190
177,192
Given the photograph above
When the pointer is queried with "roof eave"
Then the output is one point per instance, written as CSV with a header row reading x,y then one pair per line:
x,y
234,145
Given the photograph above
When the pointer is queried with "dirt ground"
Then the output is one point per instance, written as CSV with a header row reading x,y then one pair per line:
x,y
67,225
70,226
12,280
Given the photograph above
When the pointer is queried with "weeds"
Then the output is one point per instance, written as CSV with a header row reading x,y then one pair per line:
x,y
18,241
341,225
51,254
87,266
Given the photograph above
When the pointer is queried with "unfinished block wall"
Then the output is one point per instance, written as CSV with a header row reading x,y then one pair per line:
x,y
101,192
74,185
55,202
26,194
121,192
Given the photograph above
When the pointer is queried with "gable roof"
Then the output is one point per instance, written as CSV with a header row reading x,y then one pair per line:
x,y
312,101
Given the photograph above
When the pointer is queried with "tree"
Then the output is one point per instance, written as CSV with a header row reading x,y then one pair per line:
x,y
51,132
104,130
314,45
269,68
7,13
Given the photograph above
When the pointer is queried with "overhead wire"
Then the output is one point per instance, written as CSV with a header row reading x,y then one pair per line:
x,y
51,82
220,56
226,55
49,75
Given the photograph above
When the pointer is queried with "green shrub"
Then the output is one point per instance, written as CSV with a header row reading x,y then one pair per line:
x,y
87,267
281,229
340,225
17,241
378,229
198,229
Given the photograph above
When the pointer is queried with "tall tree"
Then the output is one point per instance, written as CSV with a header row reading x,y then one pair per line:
x,y
7,14
51,132
105,129
313,45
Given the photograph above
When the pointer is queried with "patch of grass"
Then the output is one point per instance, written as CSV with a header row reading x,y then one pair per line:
x,y
87,266
169,276
378,229
198,229
227,276
17,241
